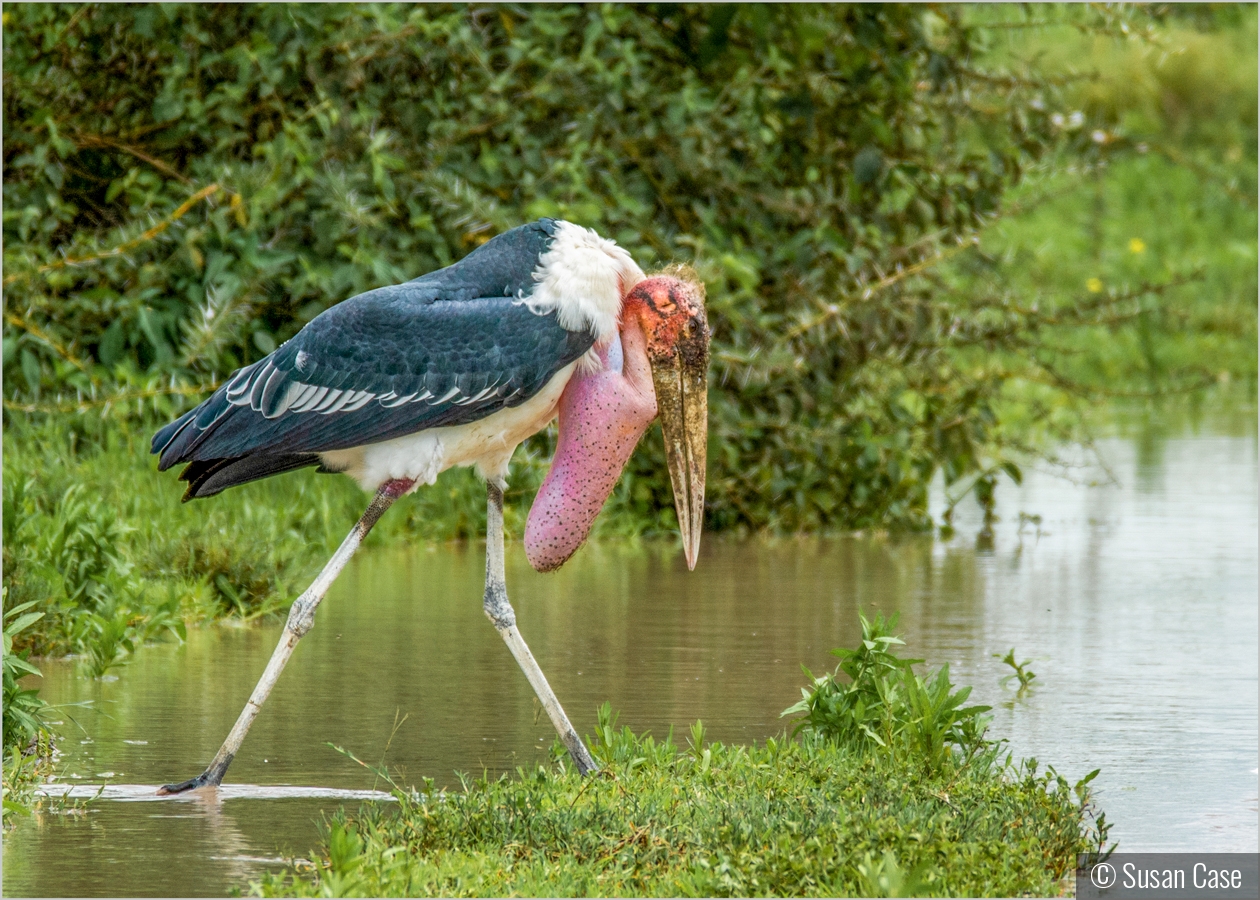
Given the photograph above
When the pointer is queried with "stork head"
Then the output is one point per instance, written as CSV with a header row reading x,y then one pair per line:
x,y
670,311
656,362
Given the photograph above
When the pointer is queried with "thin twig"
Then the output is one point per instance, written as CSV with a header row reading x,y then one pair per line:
x,y
39,334
96,140
834,309
79,14
1006,79
1003,26
148,235
1177,158
662,194
84,405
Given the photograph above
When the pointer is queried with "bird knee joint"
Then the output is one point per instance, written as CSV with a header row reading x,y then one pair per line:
x,y
301,616
497,608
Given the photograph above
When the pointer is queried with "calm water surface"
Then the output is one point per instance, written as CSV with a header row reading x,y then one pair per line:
x,y
1137,601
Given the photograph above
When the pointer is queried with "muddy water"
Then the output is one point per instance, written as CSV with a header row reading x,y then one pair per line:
x,y
1136,601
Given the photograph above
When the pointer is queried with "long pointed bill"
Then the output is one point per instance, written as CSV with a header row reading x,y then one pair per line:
x,y
681,382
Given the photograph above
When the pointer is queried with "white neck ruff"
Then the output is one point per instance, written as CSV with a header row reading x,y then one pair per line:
x,y
582,278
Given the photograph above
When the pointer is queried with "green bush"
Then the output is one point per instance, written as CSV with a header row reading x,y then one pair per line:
x,y
186,185
885,705
67,550
23,710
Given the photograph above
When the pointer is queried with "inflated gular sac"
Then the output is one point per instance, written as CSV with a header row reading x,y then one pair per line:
x,y
603,415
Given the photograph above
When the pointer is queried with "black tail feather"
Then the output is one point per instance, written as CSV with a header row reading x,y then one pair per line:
x,y
168,435
208,477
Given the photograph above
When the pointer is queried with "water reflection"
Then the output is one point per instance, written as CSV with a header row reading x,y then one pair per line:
x,y
1136,601
205,797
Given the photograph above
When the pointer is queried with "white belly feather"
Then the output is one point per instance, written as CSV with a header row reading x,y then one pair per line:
x,y
487,444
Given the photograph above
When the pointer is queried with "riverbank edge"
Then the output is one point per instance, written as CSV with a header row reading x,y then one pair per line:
x,y
94,504
787,817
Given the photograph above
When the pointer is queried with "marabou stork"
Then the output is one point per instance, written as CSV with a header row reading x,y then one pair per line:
x,y
456,368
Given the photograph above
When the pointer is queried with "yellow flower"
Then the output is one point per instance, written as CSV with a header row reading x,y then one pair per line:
x,y
1094,285
1137,245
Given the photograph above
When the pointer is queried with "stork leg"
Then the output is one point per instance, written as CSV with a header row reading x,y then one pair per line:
x,y
301,618
500,613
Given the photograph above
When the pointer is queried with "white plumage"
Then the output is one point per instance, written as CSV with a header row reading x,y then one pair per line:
x,y
583,277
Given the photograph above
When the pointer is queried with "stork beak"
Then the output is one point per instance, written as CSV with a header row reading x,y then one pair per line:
x,y
680,377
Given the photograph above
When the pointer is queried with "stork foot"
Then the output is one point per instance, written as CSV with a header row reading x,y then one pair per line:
x,y
211,777
190,785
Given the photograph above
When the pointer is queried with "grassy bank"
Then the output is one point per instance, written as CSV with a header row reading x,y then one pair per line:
x,y
889,788
795,818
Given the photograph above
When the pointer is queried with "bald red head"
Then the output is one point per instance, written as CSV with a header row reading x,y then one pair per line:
x,y
665,307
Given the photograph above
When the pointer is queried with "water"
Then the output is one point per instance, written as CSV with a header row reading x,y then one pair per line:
x,y
1137,602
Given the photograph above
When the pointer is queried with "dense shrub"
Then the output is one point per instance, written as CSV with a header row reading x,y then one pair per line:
x,y
186,185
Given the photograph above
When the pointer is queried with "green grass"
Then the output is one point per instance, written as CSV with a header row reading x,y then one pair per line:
x,y
1172,194
28,747
1142,221
891,788
785,818
26,768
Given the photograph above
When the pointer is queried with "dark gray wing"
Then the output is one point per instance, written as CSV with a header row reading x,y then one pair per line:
x,y
376,367
451,347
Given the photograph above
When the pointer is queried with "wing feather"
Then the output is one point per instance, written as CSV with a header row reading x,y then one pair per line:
x,y
329,401
311,400
373,371
448,348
